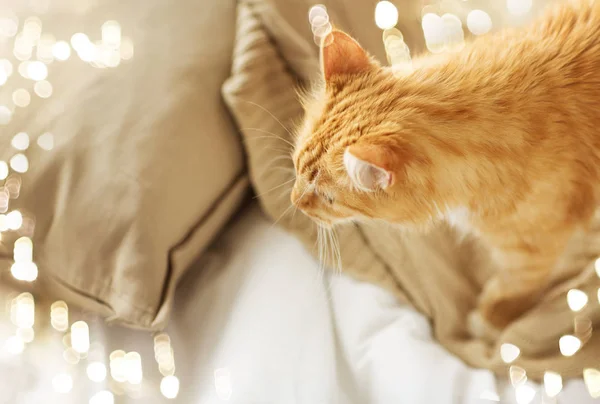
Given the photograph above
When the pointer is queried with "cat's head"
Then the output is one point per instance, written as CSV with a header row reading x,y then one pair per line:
x,y
348,158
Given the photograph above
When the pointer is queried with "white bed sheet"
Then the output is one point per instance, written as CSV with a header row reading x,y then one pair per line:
x,y
255,322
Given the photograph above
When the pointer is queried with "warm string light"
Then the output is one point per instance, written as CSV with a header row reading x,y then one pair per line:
x,y
397,51
320,25
59,316
164,355
443,33
34,49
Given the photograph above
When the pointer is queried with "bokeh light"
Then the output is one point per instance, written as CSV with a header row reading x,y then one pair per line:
x,y
20,141
386,15
80,337
19,163
169,387
479,22
553,384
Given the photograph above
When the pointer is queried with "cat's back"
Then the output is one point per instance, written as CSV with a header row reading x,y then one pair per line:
x,y
562,45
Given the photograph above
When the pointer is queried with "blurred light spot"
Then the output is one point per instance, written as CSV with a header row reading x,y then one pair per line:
x,y
479,22
21,97
316,12
133,367
45,48
23,47
111,34
19,163
518,375
4,202
386,15
591,377
576,299
80,337
169,387
13,186
87,52
9,23
20,141
117,366
79,41
61,50
509,353
59,316
23,250
46,141
24,271
23,69
5,115
37,71
569,345
14,220
6,66
96,372
32,28
552,384
43,89
23,310
126,48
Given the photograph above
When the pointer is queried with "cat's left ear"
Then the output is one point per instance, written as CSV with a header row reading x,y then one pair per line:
x,y
342,55
367,167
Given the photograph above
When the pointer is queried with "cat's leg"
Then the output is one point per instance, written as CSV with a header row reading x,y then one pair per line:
x,y
525,273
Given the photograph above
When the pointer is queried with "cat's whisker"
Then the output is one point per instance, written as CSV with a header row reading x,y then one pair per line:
x,y
273,136
272,115
337,250
280,158
273,189
282,215
287,172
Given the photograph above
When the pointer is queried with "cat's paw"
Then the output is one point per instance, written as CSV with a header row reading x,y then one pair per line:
x,y
479,327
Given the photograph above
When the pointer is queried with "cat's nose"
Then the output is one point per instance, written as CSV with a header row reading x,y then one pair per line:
x,y
295,197
299,200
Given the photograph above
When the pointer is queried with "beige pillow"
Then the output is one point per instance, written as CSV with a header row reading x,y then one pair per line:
x,y
146,166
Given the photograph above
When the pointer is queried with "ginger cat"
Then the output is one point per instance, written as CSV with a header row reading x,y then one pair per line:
x,y
501,139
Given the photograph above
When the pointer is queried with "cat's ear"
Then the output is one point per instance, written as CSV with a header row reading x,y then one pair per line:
x,y
367,168
341,55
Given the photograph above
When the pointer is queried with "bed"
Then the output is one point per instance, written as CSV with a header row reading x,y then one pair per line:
x,y
256,321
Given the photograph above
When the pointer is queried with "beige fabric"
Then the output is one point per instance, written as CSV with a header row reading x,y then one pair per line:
x,y
435,272
147,165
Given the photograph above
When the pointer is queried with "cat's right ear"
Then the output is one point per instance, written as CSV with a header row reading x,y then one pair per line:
x,y
342,55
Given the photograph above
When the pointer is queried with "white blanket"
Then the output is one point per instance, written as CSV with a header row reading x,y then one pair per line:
x,y
256,322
